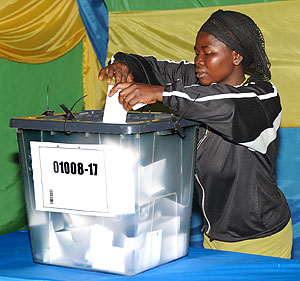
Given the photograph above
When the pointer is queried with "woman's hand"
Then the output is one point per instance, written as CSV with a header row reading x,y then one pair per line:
x,y
118,70
133,93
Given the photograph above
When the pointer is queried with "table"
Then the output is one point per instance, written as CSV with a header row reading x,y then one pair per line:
x,y
200,264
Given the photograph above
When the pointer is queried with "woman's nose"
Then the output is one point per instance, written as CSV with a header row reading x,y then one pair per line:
x,y
198,60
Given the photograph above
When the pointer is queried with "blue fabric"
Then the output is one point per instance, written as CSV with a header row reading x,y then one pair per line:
x,y
196,236
201,264
94,16
288,179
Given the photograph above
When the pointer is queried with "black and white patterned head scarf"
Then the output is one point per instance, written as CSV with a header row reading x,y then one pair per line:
x,y
239,33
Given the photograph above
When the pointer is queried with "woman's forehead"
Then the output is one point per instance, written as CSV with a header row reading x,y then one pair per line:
x,y
205,39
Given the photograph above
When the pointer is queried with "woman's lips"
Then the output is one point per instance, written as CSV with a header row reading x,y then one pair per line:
x,y
200,74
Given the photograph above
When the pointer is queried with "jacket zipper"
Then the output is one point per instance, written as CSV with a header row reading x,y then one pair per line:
x,y
197,178
203,138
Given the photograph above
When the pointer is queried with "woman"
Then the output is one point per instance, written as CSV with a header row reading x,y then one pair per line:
x,y
239,119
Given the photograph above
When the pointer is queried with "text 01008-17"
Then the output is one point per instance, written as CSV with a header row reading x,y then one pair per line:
x,y
75,168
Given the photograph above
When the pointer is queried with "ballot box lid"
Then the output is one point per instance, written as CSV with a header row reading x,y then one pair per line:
x,y
91,121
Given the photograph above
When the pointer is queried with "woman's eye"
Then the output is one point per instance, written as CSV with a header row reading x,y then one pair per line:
x,y
208,54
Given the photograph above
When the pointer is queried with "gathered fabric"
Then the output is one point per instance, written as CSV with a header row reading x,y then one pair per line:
x,y
38,31
41,31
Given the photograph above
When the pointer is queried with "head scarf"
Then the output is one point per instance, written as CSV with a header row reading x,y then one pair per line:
x,y
239,33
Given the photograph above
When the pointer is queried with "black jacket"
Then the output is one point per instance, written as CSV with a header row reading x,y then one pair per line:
x,y
236,150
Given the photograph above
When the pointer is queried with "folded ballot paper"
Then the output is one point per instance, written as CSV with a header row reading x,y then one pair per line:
x,y
114,111
126,244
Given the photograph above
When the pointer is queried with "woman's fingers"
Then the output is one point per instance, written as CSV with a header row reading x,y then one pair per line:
x,y
119,86
133,93
117,70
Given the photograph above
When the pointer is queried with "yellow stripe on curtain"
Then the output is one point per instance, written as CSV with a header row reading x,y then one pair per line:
x,y
94,88
40,31
171,35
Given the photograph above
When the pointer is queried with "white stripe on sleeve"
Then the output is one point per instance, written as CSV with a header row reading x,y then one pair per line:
x,y
262,142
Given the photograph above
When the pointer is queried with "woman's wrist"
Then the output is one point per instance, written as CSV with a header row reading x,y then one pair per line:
x,y
159,93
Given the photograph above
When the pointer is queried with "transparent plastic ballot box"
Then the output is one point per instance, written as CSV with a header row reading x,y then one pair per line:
x,y
113,198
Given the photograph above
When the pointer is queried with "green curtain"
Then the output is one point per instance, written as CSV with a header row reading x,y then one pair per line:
x,y
23,92
148,5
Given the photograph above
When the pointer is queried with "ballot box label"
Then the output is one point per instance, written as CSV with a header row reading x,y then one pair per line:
x,y
71,178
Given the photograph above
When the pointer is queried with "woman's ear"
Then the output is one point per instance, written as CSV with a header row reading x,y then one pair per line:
x,y
237,58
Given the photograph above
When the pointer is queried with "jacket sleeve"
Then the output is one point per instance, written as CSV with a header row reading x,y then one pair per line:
x,y
249,115
149,70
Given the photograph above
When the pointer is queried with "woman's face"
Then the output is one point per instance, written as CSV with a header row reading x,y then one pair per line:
x,y
215,62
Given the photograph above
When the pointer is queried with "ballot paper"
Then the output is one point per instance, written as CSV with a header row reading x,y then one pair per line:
x,y
114,112
103,255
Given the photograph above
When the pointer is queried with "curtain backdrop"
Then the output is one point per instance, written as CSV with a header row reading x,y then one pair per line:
x,y
42,31
95,18
146,5
38,31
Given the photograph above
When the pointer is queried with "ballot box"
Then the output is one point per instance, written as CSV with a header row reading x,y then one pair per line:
x,y
105,197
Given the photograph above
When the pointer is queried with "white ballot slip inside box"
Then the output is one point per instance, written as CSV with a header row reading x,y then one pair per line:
x,y
114,112
77,179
